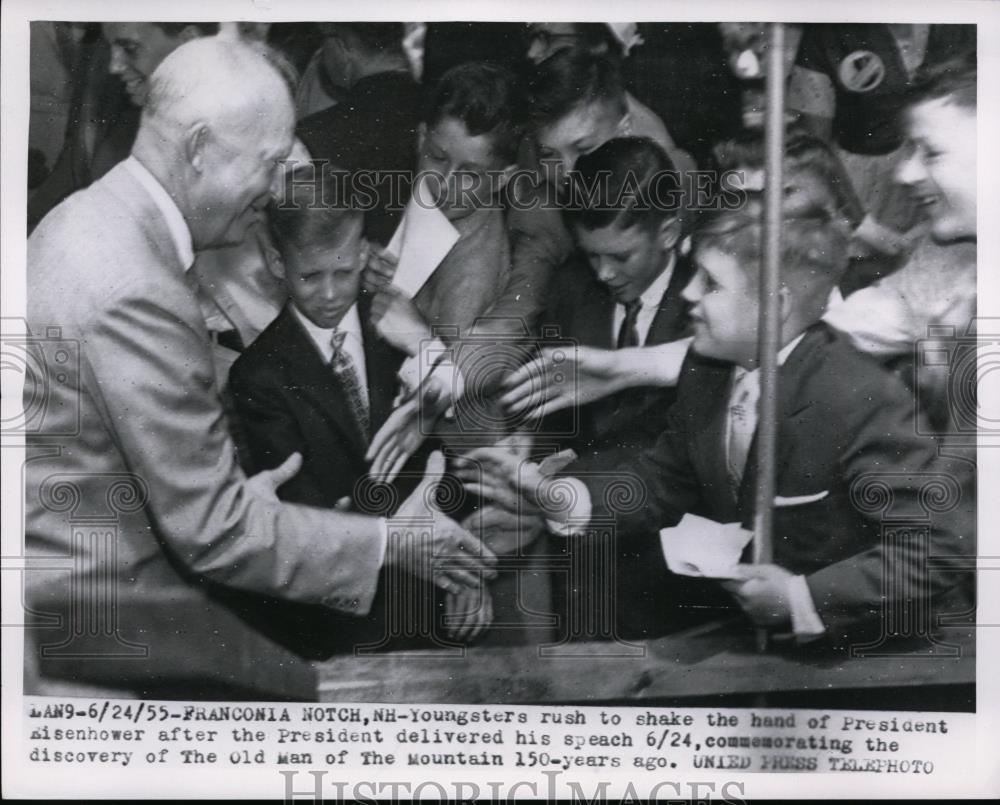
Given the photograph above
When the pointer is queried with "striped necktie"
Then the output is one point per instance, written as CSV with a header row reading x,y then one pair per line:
x,y
742,424
346,372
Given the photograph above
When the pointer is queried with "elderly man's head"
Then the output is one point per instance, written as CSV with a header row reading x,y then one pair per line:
x,y
218,121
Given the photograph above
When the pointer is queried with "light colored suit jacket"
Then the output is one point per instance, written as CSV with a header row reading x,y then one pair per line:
x,y
133,437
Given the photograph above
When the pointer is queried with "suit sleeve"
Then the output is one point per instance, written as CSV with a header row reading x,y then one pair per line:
x,y
539,244
643,491
154,380
923,505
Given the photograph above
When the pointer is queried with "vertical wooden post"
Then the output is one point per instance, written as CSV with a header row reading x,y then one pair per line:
x,y
769,330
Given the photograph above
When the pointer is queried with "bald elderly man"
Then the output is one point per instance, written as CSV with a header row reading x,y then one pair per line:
x,y
133,430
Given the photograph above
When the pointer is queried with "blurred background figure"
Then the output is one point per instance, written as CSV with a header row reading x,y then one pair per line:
x,y
107,73
850,83
373,127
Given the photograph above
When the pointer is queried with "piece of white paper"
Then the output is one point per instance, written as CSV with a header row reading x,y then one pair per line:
x,y
421,241
697,546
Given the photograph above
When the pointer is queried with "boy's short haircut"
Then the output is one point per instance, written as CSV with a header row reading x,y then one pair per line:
x,y
312,210
569,79
814,244
954,79
484,97
627,181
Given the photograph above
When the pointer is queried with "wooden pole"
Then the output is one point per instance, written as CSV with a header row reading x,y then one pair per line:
x,y
769,331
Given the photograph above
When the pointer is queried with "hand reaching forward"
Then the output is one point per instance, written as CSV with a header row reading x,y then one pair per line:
x,y
405,430
468,613
264,484
441,551
561,377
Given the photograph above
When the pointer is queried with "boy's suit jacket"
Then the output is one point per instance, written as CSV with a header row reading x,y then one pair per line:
x,y
620,425
849,451
288,400
583,309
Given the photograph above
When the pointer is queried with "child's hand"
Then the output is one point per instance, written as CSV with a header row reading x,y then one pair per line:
x,y
468,613
762,592
380,268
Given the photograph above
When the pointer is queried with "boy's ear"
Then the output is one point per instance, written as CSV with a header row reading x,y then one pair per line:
x,y
421,135
669,232
506,175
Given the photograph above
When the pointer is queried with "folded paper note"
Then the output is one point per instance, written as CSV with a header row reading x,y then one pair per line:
x,y
697,546
421,241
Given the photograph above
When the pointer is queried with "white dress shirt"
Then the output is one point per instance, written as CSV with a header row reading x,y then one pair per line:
x,y
176,225
651,299
354,343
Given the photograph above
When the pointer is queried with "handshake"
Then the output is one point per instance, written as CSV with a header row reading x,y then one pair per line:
x,y
421,540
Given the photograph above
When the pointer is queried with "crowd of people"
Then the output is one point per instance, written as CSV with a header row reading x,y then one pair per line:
x,y
379,320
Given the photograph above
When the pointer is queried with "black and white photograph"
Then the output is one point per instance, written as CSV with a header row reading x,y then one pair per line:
x,y
591,401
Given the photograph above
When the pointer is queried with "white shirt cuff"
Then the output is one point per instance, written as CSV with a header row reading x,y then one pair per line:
x,y
577,516
383,531
806,622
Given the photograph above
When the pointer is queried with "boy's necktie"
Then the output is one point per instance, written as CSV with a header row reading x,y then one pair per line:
x,y
627,334
346,372
742,424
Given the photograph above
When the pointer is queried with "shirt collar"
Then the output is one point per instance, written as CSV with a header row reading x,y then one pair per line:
x,y
351,323
653,295
176,225
783,354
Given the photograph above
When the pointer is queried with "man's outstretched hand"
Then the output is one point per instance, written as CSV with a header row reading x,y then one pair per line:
x,y
441,551
264,484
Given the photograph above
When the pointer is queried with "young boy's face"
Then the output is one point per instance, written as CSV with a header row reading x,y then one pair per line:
x,y
940,170
464,171
324,279
725,308
625,260
585,129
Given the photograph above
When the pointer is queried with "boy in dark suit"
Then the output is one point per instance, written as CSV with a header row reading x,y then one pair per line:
x,y
622,288
319,381
848,438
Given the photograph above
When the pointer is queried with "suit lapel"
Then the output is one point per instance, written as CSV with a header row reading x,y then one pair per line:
x,y
708,446
316,382
791,406
382,362
671,321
